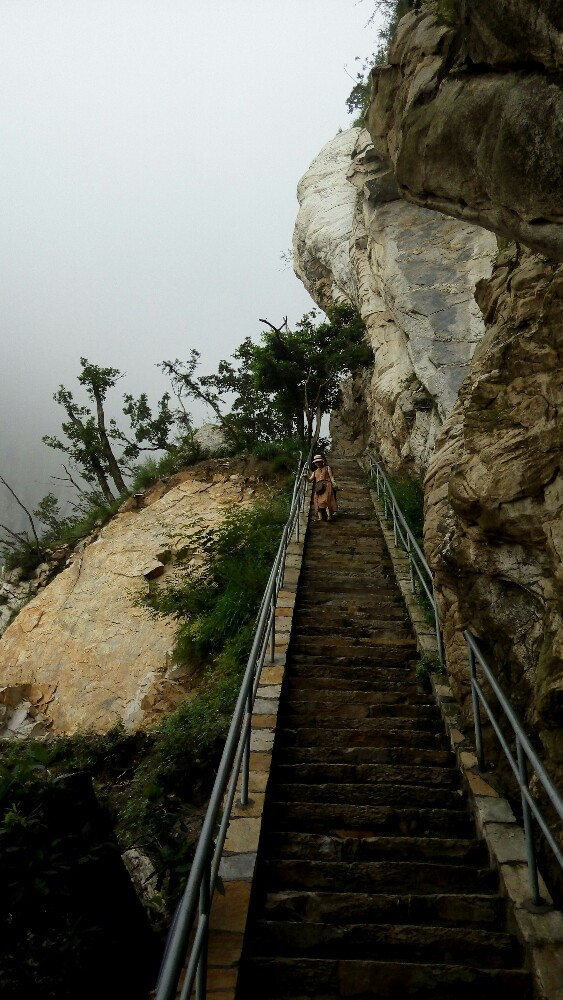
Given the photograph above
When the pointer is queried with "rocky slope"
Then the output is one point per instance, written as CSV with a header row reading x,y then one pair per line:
x,y
84,652
411,273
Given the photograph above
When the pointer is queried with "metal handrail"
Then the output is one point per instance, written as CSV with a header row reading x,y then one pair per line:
x,y
525,757
418,567
194,907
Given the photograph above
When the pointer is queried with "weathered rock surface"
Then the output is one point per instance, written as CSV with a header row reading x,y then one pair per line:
x,y
494,498
470,111
15,591
83,652
411,273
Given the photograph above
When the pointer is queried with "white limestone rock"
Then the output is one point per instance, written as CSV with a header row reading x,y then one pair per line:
x,y
411,273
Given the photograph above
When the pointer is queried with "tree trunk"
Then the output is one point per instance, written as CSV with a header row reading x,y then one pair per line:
x,y
309,415
109,456
317,433
300,423
101,477
97,467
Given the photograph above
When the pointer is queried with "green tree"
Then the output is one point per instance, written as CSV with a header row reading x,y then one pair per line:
x,y
149,433
283,385
300,370
88,439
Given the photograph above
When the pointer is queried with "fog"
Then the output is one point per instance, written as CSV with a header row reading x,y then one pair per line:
x,y
150,155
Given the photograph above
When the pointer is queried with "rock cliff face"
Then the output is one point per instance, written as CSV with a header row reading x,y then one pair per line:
x,y
470,111
466,120
411,273
84,653
494,498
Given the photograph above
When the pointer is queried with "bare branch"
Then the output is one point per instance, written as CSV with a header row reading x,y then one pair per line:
x,y
276,329
18,536
24,508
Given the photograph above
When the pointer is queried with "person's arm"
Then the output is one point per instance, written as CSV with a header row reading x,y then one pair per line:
x,y
331,476
311,476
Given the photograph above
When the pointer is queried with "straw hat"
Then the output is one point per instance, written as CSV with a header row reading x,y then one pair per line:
x,y
318,458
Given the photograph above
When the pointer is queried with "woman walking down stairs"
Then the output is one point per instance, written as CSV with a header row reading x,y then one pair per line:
x,y
371,881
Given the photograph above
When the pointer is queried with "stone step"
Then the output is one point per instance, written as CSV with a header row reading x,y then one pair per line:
x,y
436,908
360,635
326,621
358,725
410,756
332,979
302,686
313,707
387,645
371,794
366,774
322,621
484,949
378,670
386,595
345,584
407,877
331,818
440,850
365,737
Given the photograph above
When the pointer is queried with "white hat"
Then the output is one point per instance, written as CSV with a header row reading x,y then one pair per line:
x,y
318,458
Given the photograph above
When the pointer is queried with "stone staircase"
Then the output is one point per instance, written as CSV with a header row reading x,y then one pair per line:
x,y
370,880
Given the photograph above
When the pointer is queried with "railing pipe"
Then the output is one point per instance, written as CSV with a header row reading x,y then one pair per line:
x,y
418,567
525,755
246,754
476,709
528,832
516,725
204,907
236,753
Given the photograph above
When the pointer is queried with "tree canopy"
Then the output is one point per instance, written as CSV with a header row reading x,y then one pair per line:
x,y
87,438
283,385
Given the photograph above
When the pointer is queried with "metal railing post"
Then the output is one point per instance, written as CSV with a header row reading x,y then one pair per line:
x,y
204,907
411,570
439,640
245,776
528,832
476,709
273,628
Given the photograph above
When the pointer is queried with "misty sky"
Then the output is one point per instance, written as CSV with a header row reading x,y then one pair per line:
x,y
150,152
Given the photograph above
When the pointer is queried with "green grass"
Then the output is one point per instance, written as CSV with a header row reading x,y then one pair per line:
x,y
409,495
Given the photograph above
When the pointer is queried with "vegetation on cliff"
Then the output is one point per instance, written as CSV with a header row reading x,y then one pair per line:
x,y
391,11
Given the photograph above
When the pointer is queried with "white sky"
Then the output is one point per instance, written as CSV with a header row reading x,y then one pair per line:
x,y
150,152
